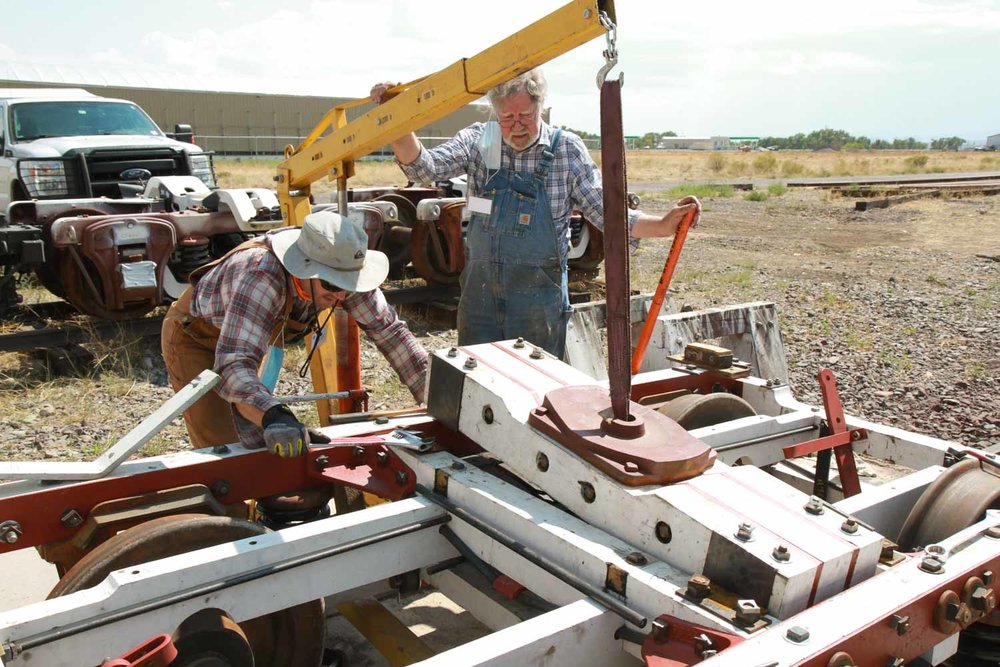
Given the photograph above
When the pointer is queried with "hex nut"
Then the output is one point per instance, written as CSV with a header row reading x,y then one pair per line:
x,y
797,634
536,353
814,506
745,532
901,624
781,554
452,351
931,565
519,343
748,612
850,526
470,363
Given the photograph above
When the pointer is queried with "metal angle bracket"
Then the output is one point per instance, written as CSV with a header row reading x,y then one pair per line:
x,y
121,450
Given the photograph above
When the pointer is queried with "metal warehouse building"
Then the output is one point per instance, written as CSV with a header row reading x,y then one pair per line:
x,y
993,141
228,123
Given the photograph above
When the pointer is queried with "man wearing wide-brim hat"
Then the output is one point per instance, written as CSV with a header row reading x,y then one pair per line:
x,y
267,293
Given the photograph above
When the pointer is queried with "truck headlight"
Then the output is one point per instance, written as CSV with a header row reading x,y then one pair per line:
x,y
201,167
44,178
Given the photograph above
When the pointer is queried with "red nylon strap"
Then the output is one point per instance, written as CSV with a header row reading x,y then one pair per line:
x,y
616,269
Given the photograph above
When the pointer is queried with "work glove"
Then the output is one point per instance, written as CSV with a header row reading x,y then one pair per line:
x,y
284,434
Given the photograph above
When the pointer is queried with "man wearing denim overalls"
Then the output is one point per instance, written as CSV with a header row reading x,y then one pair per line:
x,y
525,180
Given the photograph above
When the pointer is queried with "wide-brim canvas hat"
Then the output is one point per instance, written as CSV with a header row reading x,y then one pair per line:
x,y
331,248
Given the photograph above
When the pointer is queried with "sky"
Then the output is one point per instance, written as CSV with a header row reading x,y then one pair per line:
x,y
884,68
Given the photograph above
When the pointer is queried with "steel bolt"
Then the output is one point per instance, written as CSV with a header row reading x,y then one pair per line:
x,y
519,343
987,577
797,634
893,661
381,420
536,353
747,612
745,532
850,526
660,631
402,477
71,518
452,351
487,414
588,492
10,531
781,554
983,600
470,363
542,461
663,532
931,564
814,506
220,488
322,461
220,449
901,624
358,451
636,558
457,465
699,587
888,550
382,458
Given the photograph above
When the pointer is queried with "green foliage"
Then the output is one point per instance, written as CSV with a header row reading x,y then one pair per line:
x,y
947,143
918,161
839,140
701,191
756,195
777,189
581,133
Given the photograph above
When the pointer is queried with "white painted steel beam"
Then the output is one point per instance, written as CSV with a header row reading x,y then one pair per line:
x,y
580,633
703,513
246,578
864,606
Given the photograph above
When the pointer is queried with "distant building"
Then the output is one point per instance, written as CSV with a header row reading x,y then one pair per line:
x,y
993,141
229,123
695,143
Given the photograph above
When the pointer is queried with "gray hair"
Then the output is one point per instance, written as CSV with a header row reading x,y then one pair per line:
x,y
532,82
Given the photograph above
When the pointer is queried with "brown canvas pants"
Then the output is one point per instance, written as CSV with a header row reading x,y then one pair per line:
x,y
188,345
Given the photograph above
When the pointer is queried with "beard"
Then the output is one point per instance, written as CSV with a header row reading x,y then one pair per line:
x,y
522,142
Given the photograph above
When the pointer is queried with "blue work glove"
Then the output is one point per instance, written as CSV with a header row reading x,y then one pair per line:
x,y
284,434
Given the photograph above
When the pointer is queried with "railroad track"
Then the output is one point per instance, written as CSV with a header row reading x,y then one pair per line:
x,y
42,328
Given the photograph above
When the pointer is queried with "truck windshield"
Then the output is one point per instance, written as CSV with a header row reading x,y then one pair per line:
x,y
38,120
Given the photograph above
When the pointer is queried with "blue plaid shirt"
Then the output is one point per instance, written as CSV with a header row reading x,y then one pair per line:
x,y
573,182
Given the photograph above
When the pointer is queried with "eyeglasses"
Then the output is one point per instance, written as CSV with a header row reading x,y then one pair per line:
x,y
525,118
329,287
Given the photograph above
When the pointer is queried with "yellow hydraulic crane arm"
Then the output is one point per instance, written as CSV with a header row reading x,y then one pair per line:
x,y
414,106
429,99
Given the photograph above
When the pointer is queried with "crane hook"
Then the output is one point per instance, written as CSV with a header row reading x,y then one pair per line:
x,y
610,52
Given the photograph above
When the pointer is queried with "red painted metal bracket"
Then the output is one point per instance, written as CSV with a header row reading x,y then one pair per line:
x,y
840,437
368,466
676,643
156,652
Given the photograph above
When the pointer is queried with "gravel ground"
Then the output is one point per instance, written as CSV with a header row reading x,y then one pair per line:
x,y
901,303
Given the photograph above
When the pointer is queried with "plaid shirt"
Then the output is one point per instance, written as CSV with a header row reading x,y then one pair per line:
x,y
245,298
573,181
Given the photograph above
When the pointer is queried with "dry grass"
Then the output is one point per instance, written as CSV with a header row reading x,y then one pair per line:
x,y
651,166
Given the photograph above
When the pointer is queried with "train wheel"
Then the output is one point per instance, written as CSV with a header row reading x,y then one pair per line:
x,y
425,259
288,638
395,241
209,638
693,411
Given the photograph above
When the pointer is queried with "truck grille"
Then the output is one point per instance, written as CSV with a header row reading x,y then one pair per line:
x,y
105,166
